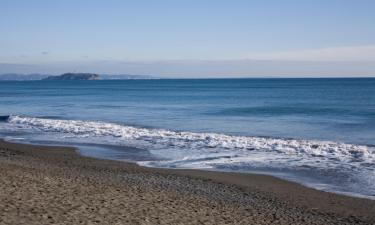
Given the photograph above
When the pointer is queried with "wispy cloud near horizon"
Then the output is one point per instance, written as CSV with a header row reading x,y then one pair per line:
x,y
204,68
334,54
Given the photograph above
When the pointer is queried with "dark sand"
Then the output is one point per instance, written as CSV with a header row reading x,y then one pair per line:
x,y
54,185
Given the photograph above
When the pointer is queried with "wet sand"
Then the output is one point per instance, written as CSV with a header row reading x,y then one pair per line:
x,y
55,185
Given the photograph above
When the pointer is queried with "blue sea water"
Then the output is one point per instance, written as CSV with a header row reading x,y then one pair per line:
x,y
319,132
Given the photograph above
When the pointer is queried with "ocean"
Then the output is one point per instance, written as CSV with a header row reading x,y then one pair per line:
x,y
317,132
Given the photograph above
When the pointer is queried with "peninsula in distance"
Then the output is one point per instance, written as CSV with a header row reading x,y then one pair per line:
x,y
71,76
74,76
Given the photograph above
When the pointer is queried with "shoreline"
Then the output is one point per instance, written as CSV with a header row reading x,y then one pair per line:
x,y
224,197
286,177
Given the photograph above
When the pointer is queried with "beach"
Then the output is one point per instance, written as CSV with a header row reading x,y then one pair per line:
x,y
316,132
187,112
55,185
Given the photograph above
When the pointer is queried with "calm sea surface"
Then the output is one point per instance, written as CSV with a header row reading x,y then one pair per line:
x,y
319,132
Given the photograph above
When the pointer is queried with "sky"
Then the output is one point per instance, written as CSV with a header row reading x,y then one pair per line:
x,y
189,38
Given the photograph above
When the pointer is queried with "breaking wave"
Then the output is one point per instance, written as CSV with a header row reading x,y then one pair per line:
x,y
327,165
159,138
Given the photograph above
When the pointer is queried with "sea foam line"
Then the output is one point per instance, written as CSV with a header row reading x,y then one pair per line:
x,y
160,138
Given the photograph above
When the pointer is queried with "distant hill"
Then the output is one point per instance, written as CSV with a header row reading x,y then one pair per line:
x,y
15,76
124,77
74,76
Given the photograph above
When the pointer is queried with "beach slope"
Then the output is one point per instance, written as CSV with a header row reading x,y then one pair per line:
x,y
55,185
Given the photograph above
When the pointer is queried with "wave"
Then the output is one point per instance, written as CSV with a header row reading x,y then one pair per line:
x,y
288,110
326,165
211,142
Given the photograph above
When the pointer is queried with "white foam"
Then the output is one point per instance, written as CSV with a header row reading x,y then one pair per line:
x,y
211,142
347,167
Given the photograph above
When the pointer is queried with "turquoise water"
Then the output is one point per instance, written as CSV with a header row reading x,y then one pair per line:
x,y
316,131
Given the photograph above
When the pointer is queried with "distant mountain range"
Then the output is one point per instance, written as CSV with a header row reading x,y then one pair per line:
x,y
125,77
72,76
15,76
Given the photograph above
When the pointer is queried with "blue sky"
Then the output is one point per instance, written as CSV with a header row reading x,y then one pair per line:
x,y
121,35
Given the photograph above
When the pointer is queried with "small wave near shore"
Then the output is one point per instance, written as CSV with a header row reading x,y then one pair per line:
x,y
333,164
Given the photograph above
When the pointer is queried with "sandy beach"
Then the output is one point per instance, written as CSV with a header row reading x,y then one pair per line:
x,y
55,185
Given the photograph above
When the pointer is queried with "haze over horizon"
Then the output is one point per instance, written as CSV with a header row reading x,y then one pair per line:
x,y
166,38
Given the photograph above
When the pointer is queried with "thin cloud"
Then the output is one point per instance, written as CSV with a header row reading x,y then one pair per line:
x,y
351,53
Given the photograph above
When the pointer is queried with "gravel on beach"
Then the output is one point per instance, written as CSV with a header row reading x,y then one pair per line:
x,y
55,185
